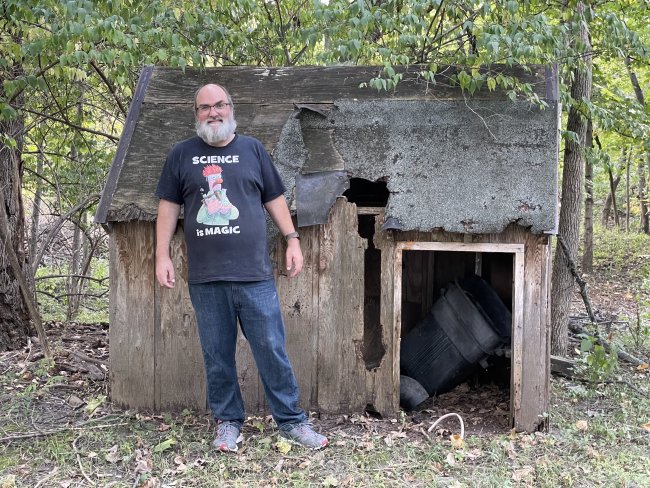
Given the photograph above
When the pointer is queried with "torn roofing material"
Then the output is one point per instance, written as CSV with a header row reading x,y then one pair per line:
x,y
468,167
315,195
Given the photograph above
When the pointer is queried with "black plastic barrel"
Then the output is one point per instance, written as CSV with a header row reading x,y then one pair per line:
x,y
445,347
490,304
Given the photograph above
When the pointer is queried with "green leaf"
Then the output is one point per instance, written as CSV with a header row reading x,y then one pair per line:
x,y
164,445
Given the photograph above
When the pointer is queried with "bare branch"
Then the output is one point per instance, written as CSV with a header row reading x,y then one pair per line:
x,y
110,87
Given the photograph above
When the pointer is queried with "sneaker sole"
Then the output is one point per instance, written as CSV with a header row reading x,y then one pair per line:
x,y
225,448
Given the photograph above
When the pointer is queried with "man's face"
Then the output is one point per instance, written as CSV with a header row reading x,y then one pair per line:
x,y
215,123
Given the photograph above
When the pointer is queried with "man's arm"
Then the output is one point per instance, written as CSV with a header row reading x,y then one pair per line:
x,y
168,213
279,212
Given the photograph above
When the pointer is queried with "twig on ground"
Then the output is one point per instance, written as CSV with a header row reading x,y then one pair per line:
x,y
83,357
47,477
81,426
81,466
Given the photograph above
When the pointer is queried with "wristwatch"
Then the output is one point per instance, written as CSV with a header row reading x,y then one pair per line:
x,y
291,235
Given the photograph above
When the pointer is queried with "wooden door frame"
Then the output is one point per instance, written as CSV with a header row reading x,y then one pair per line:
x,y
517,250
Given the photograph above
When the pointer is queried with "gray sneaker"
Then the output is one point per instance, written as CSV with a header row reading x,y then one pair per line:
x,y
303,435
228,435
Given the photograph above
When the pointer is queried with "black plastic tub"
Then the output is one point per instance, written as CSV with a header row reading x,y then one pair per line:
x,y
445,347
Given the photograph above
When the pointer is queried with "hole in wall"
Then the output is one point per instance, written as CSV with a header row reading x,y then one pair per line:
x,y
365,193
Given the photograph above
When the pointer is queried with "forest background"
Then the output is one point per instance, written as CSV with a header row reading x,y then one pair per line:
x,y
68,72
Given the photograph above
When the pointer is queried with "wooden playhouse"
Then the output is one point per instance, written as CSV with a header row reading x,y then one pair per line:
x,y
395,194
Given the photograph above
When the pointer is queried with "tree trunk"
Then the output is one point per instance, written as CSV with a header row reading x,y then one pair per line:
x,y
588,241
14,316
643,198
627,194
36,208
569,225
643,194
607,207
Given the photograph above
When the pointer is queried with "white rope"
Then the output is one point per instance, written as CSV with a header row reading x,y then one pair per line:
x,y
462,424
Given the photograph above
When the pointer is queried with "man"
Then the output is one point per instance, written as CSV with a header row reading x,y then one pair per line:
x,y
224,180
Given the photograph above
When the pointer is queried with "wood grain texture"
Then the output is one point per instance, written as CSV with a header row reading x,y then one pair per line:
x,y
536,341
132,315
383,383
312,84
299,303
341,304
179,374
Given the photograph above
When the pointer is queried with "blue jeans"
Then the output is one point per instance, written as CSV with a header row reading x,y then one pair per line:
x,y
218,305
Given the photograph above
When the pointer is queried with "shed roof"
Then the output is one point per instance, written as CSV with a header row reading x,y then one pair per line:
x,y
462,165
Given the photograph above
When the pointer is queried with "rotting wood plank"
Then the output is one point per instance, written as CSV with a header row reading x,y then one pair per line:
x,y
123,146
536,362
341,369
132,315
384,382
300,315
180,373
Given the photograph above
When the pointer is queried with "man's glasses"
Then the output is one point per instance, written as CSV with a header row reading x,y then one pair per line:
x,y
206,109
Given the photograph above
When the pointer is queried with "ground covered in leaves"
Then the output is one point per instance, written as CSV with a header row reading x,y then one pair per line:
x,y
58,428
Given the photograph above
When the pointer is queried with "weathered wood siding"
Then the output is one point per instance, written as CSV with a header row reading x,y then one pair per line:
x,y
156,361
155,357
132,315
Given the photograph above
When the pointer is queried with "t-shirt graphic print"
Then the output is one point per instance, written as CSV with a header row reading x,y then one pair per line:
x,y
216,208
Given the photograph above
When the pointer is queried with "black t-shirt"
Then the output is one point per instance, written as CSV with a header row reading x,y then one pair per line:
x,y
223,190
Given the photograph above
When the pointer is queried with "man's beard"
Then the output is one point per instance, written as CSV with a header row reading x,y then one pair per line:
x,y
216,135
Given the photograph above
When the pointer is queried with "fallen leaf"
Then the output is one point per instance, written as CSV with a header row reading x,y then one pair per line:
x,y
330,481
646,426
451,460
523,473
8,482
283,446
94,403
582,425
164,445
111,455
642,367
163,427
457,441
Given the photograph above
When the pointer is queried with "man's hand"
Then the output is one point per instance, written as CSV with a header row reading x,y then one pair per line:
x,y
294,257
168,213
165,272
